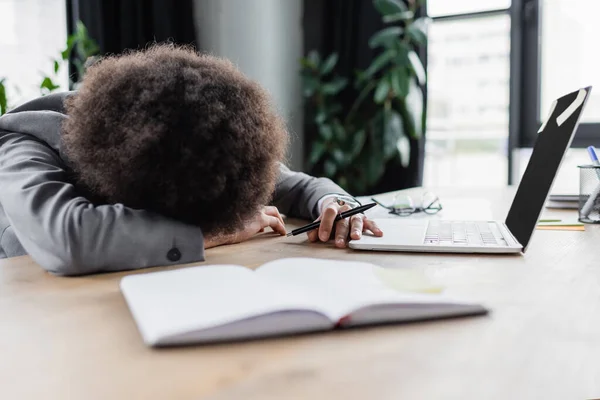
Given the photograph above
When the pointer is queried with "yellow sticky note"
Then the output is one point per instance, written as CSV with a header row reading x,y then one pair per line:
x,y
407,280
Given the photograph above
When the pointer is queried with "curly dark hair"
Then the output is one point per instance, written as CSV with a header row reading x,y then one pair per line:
x,y
175,132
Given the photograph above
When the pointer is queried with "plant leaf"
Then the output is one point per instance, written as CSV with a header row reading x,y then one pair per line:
x,y
3,98
310,85
91,48
330,169
339,131
413,110
335,86
48,85
417,67
395,83
384,37
416,34
79,66
379,62
317,151
56,66
399,80
80,30
403,16
329,64
402,50
326,132
339,157
307,64
314,58
357,143
382,91
388,7
372,158
422,23
320,117
66,53
403,147
393,131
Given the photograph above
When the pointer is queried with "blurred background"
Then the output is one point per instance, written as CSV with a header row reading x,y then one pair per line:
x,y
377,94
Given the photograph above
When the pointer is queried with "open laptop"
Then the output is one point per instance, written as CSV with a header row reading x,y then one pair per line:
x,y
510,236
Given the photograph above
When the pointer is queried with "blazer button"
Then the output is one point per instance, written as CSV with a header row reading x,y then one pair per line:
x,y
174,254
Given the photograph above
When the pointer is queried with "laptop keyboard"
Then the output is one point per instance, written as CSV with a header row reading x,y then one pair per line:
x,y
462,233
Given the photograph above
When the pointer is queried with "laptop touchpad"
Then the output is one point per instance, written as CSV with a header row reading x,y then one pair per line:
x,y
398,232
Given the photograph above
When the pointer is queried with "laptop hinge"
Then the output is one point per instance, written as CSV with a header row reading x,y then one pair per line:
x,y
507,232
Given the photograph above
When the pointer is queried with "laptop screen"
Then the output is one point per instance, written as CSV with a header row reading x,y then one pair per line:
x,y
554,138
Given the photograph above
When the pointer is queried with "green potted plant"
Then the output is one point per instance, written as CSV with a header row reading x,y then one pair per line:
x,y
3,98
354,145
81,48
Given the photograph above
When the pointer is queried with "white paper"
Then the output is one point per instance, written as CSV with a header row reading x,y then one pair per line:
x,y
342,286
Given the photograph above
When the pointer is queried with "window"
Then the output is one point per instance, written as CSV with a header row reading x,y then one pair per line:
x,y
33,34
468,93
569,40
441,8
560,59
495,67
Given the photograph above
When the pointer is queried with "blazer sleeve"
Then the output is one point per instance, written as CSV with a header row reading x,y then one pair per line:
x,y
67,234
297,194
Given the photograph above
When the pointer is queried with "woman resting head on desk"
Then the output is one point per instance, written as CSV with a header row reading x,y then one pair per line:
x,y
160,154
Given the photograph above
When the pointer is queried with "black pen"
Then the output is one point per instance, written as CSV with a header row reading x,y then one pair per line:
x,y
340,216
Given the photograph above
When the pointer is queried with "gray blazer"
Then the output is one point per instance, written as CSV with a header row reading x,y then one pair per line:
x,y
43,215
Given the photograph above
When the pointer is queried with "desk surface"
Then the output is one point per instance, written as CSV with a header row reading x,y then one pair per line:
x,y
73,338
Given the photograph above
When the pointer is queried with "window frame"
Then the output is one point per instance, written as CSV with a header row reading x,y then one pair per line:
x,y
525,84
515,67
525,78
587,132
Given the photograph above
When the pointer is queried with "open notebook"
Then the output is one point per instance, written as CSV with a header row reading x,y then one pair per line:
x,y
293,295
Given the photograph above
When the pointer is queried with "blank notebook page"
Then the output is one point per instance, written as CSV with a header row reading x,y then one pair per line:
x,y
343,286
171,302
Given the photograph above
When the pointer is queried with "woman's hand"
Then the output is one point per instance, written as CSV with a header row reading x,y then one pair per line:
x,y
267,217
352,227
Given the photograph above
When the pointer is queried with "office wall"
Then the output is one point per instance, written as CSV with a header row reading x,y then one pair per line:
x,y
264,38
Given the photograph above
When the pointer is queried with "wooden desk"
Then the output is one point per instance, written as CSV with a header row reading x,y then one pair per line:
x,y
73,338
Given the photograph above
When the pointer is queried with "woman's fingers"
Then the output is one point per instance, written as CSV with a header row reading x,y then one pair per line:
x,y
356,226
341,232
273,211
274,223
370,225
328,221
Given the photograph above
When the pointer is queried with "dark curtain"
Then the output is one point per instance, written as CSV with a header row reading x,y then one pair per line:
x,y
131,24
342,26
345,26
